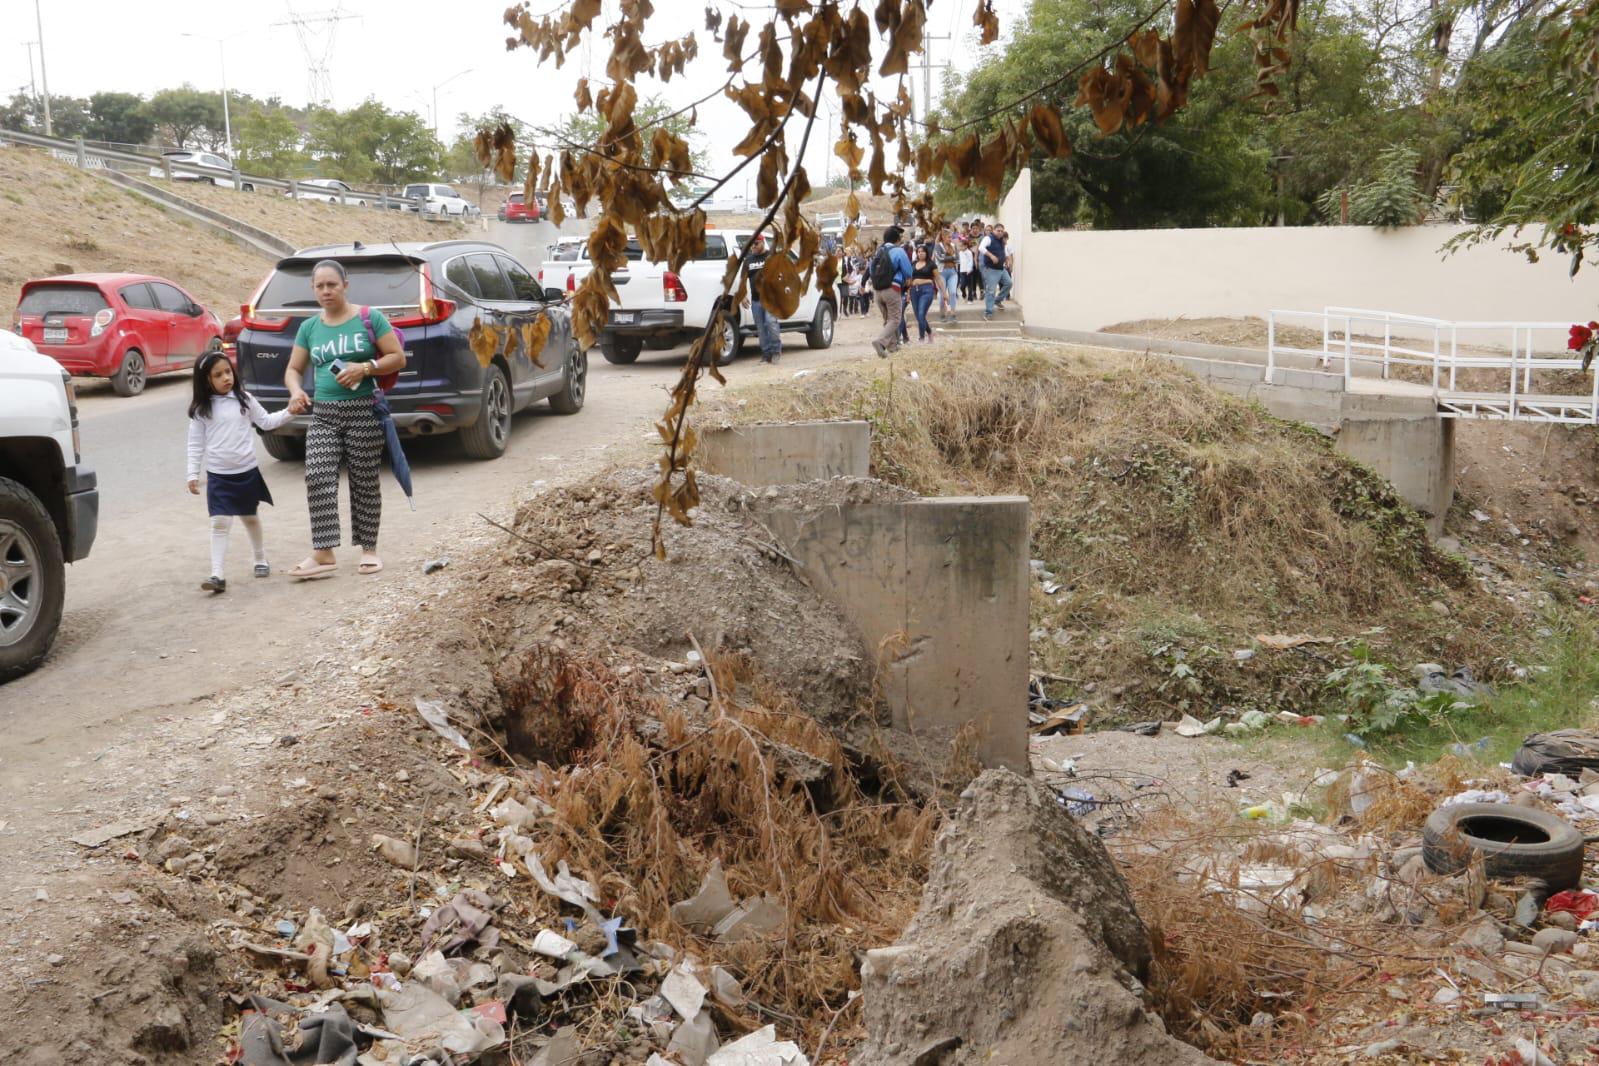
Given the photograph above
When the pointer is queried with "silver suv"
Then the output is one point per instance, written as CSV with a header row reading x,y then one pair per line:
x,y
439,200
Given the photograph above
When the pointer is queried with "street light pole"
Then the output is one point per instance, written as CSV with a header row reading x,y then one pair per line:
x,y
33,81
436,89
38,22
222,61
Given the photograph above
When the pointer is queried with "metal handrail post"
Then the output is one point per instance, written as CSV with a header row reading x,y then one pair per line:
x,y
1387,345
1271,343
1454,354
1526,384
1512,372
1348,354
1435,361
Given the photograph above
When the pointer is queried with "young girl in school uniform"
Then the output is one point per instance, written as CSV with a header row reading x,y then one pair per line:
x,y
220,419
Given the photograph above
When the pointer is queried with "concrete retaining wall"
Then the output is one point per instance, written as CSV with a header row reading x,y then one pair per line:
x,y
939,587
255,238
787,453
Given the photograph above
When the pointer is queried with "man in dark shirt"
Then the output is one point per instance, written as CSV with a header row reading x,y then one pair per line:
x,y
766,325
992,258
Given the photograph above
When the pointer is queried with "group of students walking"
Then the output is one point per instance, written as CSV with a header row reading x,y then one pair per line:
x,y
901,277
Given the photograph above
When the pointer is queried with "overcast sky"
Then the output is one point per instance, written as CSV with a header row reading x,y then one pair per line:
x,y
394,50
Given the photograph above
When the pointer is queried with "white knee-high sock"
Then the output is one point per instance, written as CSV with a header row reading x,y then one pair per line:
x,y
252,526
220,524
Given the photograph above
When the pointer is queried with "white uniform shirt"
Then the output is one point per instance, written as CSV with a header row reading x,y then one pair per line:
x,y
223,441
966,261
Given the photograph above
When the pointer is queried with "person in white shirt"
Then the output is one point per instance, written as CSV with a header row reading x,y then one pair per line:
x,y
221,415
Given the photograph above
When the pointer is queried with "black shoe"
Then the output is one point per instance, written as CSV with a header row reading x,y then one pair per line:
x,y
214,584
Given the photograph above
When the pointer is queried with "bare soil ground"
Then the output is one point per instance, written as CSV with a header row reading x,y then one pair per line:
x,y
308,222
55,219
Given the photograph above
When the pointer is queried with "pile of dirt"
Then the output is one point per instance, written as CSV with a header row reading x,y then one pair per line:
x,y
1016,968
1173,526
59,220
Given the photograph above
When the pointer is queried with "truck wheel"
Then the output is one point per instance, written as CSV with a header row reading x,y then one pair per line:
x,y
732,341
130,376
820,335
569,401
286,449
488,437
620,350
32,580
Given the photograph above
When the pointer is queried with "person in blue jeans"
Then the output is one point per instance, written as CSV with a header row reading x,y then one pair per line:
x,y
766,325
923,289
991,257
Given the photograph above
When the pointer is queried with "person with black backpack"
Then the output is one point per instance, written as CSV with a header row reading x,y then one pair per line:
x,y
890,270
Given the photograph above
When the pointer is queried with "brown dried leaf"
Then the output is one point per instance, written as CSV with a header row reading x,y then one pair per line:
x,y
484,341
780,285
1049,132
534,335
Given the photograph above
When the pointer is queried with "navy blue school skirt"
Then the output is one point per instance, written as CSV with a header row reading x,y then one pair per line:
x,y
235,494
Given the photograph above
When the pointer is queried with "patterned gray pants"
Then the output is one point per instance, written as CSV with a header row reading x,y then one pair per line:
x,y
343,433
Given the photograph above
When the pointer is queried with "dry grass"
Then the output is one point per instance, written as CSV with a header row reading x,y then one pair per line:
x,y
1181,521
643,819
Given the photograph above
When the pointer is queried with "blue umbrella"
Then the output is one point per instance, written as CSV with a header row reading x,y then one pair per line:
x,y
397,461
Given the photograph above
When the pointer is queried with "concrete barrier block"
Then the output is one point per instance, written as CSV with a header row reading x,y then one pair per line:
x,y
939,589
1416,454
787,453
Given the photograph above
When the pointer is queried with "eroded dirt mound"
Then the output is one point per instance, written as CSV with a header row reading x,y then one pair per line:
x,y
1026,947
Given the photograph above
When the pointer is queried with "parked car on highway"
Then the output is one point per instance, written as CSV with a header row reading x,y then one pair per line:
x,y
327,190
439,200
433,292
49,502
660,308
517,209
126,327
180,172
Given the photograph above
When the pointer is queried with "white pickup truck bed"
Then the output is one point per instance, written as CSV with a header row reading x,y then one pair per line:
x,y
661,309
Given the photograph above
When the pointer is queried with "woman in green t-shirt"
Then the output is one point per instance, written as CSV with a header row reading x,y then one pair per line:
x,y
345,431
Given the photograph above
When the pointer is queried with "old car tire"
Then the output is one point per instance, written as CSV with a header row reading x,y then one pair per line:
x,y
490,435
620,350
1514,842
286,449
820,335
569,401
32,580
131,375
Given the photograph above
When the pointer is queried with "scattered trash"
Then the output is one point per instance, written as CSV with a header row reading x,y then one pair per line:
x,y
1283,642
1477,795
1243,655
1235,776
433,566
95,838
1143,729
1470,751
396,852
1512,842
1251,721
1189,726
1580,903
468,918
434,714
1511,1000
1461,684
760,1048
553,944
1050,717
1078,802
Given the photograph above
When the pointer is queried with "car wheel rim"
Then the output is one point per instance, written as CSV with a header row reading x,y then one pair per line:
x,y
580,369
827,326
729,340
499,412
134,369
19,579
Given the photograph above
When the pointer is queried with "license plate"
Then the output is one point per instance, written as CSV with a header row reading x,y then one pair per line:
x,y
624,318
56,335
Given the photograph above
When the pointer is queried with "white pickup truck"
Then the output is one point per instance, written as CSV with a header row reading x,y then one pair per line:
x,y
660,309
49,501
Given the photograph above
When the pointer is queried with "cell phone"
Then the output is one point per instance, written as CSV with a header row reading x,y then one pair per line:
x,y
337,366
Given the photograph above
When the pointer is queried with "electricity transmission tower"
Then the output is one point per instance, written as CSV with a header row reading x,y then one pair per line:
x,y
316,31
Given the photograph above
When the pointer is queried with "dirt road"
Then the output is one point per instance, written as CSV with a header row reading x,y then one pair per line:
x,y
142,648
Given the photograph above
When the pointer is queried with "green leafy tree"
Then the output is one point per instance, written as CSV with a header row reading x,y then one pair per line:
x,y
1201,168
1391,197
269,143
69,115
187,117
370,143
120,118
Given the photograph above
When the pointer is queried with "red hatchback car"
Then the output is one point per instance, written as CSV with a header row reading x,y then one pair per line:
x,y
518,210
125,327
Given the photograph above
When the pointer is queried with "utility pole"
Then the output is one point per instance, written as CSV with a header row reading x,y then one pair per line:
x,y
222,59
38,23
926,67
33,82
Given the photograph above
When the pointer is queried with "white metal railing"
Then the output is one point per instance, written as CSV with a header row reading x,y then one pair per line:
x,y
90,155
1375,342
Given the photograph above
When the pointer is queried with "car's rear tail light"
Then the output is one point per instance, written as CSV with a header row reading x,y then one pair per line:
x,y
571,281
672,288
433,308
541,275
102,319
265,325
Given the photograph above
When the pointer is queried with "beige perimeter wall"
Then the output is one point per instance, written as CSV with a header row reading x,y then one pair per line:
x,y
1089,279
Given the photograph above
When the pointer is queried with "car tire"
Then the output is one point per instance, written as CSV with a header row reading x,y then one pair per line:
x,y
661,342
732,340
1514,842
131,375
30,560
248,187
574,385
490,435
820,335
620,350
282,448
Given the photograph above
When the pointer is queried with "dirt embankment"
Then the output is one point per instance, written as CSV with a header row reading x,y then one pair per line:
x,y
1174,525
55,219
